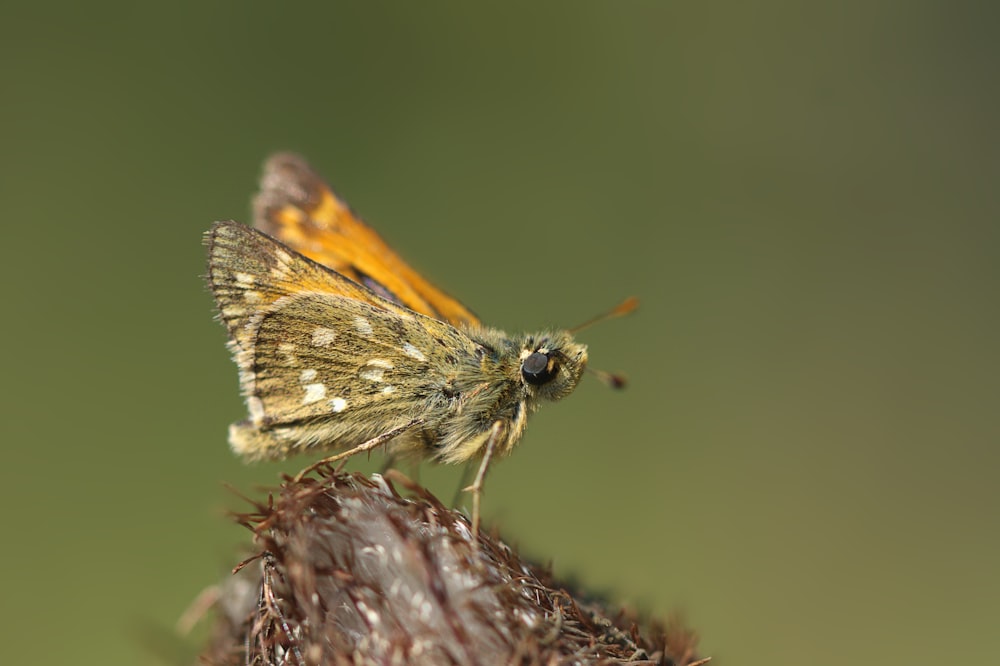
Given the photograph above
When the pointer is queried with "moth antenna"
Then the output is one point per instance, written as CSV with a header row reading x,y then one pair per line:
x,y
609,379
623,308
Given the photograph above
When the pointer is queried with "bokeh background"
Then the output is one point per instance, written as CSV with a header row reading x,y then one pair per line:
x,y
804,197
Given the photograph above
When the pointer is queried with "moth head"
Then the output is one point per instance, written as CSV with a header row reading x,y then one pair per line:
x,y
551,365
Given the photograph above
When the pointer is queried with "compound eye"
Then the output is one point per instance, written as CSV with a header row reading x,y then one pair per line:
x,y
539,368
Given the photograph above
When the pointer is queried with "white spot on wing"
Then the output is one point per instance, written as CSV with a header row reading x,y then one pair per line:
x,y
323,337
374,370
314,393
413,352
372,374
245,279
338,405
363,326
307,375
388,389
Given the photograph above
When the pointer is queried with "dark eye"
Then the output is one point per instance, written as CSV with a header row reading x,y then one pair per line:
x,y
539,368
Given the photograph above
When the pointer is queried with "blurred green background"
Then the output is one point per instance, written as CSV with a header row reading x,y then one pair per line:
x,y
804,197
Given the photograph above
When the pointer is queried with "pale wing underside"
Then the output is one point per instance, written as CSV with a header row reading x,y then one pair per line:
x,y
328,364
329,372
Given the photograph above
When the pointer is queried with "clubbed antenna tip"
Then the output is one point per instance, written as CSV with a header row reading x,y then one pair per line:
x,y
609,379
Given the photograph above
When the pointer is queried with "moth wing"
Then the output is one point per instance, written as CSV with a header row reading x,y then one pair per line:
x,y
248,272
297,207
328,372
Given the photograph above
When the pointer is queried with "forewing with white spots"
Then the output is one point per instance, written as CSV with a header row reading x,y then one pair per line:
x,y
332,373
325,363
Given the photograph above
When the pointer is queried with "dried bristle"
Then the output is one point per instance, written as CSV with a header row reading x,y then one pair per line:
x,y
351,572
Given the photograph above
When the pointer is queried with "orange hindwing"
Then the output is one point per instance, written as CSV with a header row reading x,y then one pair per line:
x,y
298,208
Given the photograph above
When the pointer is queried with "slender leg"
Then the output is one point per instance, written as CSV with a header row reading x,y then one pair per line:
x,y
360,448
477,486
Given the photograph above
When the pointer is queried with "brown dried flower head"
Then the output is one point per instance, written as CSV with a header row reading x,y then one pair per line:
x,y
350,572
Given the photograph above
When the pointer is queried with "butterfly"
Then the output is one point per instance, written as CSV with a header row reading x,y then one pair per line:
x,y
342,346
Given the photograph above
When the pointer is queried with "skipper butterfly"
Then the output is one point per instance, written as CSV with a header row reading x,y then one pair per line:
x,y
343,346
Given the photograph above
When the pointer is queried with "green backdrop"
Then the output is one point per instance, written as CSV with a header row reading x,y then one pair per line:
x,y
804,197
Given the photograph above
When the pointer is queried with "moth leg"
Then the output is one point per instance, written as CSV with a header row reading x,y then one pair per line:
x,y
360,448
477,486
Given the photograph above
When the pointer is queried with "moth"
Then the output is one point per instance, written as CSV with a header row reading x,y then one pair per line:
x,y
342,346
